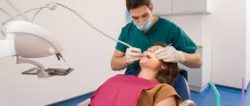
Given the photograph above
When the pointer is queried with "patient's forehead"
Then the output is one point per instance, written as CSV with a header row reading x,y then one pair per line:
x,y
155,47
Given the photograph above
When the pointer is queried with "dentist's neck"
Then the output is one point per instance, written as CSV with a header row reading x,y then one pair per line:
x,y
147,74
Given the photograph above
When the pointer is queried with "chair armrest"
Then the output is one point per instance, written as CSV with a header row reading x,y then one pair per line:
x,y
187,103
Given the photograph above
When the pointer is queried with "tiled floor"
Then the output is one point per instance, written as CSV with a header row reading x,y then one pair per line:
x,y
229,97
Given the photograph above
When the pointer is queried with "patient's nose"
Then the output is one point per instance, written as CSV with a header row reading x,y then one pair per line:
x,y
150,50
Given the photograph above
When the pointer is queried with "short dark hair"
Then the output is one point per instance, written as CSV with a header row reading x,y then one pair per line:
x,y
132,4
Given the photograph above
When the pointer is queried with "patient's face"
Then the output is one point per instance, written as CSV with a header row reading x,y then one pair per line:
x,y
149,60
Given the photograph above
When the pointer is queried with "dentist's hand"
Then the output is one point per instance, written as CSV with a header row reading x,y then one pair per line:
x,y
170,54
133,54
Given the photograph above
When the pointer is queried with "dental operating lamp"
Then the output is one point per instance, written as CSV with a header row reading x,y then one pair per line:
x,y
25,39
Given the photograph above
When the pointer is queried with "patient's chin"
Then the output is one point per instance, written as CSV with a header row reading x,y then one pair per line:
x,y
149,66
143,61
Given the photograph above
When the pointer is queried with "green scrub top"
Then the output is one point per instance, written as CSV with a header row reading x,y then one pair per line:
x,y
162,31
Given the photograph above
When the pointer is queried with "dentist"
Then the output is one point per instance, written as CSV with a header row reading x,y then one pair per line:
x,y
146,29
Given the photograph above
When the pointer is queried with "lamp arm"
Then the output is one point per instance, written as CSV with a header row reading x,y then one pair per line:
x,y
2,31
53,5
7,13
17,9
88,23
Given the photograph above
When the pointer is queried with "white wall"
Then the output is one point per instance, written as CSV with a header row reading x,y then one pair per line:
x,y
224,31
248,42
226,27
85,50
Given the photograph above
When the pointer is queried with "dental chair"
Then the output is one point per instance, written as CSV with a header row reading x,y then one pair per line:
x,y
180,85
182,90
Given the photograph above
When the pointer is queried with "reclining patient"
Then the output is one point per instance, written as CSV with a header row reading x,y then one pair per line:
x,y
152,86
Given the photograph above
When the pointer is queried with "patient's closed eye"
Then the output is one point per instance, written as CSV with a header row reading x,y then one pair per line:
x,y
152,50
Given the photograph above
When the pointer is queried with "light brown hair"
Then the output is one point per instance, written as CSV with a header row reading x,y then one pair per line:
x,y
169,73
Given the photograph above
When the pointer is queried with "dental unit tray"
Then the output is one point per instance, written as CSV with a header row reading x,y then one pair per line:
x,y
50,71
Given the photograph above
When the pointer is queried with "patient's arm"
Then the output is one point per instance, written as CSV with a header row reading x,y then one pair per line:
x,y
170,101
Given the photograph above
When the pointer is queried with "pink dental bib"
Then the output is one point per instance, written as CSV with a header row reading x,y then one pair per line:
x,y
120,90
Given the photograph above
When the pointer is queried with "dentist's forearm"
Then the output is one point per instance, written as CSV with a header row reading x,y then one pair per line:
x,y
119,63
193,60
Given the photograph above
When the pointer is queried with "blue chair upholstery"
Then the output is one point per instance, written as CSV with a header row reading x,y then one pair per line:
x,y
181,85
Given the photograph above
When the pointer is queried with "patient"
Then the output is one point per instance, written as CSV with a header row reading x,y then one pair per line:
x,y
152,86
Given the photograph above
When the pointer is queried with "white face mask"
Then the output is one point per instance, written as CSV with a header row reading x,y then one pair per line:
x,y
145,26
